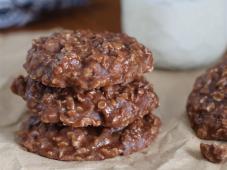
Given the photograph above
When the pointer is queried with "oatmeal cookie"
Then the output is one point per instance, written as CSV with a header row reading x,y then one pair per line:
x,y
60,142
87,59
207,104
112,106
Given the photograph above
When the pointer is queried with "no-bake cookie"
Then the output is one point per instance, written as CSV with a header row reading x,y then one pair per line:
x,y
207,104
87,59
112,106
60,142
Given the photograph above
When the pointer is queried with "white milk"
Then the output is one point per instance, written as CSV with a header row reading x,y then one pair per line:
x,y
181,33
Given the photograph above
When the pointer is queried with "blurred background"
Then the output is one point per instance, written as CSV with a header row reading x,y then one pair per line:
x,y
98,15
181,34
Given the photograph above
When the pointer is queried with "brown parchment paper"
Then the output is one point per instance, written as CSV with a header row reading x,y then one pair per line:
x,y
176,148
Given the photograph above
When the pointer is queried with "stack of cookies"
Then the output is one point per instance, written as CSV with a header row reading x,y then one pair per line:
x,y
86,96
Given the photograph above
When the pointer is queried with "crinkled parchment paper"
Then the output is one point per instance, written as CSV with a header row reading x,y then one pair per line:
x,y
176,148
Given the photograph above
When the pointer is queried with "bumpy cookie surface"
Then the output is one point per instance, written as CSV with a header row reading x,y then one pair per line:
x,y
207,104
86,59
91,143
112,106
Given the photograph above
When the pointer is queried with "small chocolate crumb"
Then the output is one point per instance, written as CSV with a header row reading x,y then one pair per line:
x,y
214,153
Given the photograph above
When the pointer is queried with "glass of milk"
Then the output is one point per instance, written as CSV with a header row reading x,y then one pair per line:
x,y
182,34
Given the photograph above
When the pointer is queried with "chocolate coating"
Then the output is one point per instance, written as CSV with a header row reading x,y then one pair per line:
x,y
86,59
112,106
207,104
91,143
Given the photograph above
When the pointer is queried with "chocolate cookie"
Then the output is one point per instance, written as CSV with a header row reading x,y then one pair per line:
x,y
207,104
86,59
112,106
59,142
